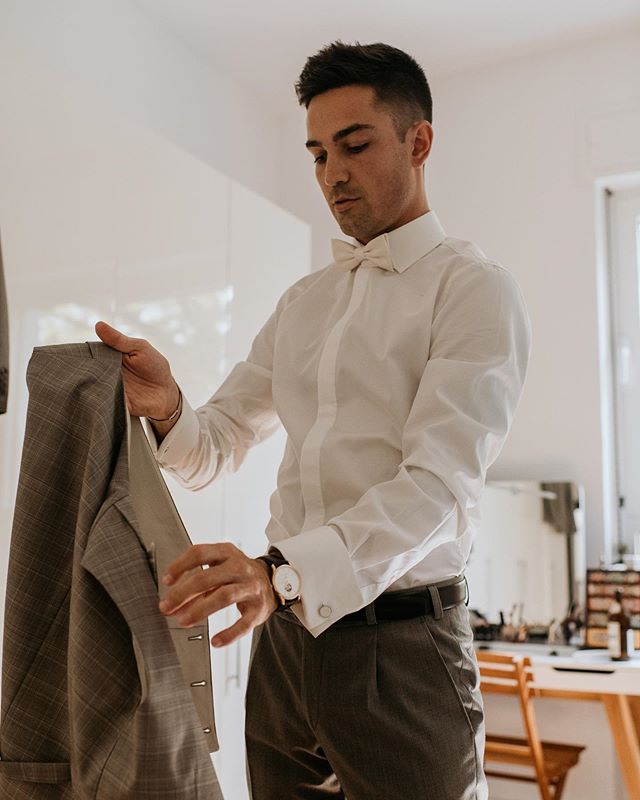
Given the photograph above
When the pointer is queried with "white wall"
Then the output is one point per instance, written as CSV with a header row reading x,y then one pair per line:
x,y
122,164
518,147
104,60
110,53
116,223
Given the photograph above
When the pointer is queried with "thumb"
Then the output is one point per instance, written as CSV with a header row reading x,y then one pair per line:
x,y
112,337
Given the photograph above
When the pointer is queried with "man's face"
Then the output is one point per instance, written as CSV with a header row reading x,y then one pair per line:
x,y
370,179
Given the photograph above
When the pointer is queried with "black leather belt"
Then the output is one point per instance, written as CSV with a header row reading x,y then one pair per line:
x,y
410,603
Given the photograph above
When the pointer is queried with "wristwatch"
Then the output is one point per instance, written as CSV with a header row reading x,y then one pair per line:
x,y
284,579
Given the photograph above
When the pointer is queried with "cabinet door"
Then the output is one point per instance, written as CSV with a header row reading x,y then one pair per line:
x,y
171,230
269,250
114,223
57,246
624,235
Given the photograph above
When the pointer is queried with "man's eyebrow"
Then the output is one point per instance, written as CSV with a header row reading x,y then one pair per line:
x,y
358,126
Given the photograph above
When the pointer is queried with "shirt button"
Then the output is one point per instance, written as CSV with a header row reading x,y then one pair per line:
x,y
325,611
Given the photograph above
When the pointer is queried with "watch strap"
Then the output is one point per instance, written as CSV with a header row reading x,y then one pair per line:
x,y
275,560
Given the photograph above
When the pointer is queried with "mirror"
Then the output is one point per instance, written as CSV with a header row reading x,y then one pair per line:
x,y
528,558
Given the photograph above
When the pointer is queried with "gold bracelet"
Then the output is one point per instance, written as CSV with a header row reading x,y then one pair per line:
x,y
171,417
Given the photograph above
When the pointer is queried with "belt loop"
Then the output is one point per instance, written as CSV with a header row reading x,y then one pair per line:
x,y
437,602
466,584
370,613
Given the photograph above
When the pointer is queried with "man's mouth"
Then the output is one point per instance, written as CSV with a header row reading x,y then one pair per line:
x,y
344,202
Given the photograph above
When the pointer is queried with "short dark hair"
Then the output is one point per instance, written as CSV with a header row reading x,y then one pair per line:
x,y
397,79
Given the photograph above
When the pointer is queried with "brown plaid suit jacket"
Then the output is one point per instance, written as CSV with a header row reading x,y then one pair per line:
x,y
94,702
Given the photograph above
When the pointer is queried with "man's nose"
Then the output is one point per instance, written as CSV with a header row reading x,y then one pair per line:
x,y
335,171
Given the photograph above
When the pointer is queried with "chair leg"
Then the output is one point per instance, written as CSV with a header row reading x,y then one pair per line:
x,y
559,787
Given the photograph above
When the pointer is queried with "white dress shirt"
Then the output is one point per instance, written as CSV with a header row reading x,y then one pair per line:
x,y
396,389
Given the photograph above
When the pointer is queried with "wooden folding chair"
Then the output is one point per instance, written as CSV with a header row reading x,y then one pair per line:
x,y
502,673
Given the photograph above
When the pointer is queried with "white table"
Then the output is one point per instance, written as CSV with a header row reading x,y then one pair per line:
x,y
590,675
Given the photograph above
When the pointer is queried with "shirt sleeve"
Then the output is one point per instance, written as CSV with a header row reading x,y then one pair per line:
x,y
458,422
214,439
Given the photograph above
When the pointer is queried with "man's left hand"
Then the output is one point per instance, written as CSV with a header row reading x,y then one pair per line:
x,y
232,577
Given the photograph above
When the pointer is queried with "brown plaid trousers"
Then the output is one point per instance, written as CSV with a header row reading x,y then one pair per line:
x,y
94,703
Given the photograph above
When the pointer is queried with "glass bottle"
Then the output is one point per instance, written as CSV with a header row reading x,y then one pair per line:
x,y
620,634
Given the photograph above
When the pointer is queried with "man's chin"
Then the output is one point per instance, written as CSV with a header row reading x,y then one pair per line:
x,y
349,227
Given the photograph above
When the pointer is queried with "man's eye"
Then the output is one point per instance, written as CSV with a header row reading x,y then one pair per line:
x,y
358,148
319,159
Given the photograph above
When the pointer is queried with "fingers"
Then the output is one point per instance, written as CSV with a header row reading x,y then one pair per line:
x,y
232,578
247,622
193,585
206,604
112,337
197,556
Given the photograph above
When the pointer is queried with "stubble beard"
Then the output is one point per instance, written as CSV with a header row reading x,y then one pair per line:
x,y
360,225
365,225
364,222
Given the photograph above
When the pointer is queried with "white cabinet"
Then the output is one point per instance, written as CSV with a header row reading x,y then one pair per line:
x,y
112,222
268,250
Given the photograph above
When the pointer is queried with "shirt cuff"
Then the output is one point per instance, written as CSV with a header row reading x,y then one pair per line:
x,y
181,439
328,587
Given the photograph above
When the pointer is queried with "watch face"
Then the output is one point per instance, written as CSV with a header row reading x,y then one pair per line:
x,y
286,581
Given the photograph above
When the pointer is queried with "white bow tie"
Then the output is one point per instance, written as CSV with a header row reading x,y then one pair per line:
x,y
376,253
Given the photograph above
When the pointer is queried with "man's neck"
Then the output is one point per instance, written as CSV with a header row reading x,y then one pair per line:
x,y
404,220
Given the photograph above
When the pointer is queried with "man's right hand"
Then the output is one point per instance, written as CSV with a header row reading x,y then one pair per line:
x,y
150,388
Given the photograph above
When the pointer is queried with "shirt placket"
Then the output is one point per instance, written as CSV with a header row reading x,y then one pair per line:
x,y
310,473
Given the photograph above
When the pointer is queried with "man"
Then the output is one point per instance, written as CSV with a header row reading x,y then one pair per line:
x,y
396,371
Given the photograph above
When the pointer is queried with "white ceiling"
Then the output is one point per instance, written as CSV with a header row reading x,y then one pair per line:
x,y
263,43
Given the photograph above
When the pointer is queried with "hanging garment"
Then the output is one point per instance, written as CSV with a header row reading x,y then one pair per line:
x,y
97,691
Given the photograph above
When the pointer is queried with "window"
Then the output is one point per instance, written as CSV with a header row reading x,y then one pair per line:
x,y
624,287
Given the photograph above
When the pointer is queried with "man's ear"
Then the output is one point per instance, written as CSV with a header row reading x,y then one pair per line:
x,y
422,139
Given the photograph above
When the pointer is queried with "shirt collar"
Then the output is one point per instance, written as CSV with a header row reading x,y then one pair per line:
x,y
412,241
